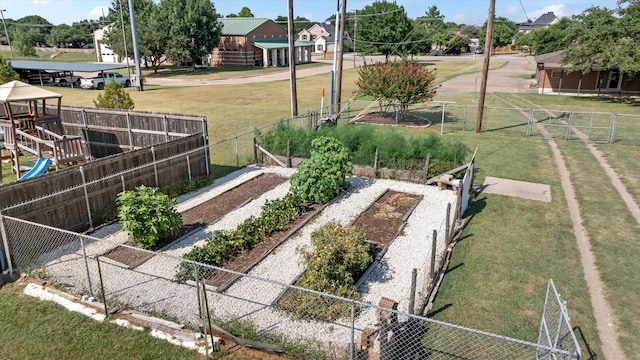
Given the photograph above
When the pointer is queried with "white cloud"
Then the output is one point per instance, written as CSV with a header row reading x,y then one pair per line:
x,y
97,12
41,2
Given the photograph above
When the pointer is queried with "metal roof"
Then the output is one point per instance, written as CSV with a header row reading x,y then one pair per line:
x,y
63,66
279,43
241,26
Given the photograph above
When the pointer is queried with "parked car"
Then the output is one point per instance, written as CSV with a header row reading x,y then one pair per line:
x,y
62,79
102,79
479,50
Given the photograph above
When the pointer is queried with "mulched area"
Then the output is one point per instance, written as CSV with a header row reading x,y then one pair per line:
x,y
207,213
389,118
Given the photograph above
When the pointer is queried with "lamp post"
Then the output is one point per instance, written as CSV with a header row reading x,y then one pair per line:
x,y
6,32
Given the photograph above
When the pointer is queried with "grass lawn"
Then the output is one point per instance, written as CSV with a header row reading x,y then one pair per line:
x,y
34,329
53,56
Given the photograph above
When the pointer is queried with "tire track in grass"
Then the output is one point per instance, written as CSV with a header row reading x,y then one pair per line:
x,y
606,323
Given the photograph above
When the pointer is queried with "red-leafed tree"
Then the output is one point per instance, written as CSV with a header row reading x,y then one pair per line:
x,y
397,84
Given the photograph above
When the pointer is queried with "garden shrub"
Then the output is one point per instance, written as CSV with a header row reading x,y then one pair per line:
x,y
323,175
148,215
114,97
338,257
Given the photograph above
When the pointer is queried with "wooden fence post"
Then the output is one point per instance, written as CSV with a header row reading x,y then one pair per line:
x,y
426,167
412,293
448,232
432,269
288,153
255,151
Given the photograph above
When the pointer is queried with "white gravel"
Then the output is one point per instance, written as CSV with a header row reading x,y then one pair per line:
x,y
150,287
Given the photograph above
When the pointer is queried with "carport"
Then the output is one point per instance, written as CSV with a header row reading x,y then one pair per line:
x,y
68,68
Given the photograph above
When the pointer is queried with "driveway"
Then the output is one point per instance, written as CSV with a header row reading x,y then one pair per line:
x,y
509,78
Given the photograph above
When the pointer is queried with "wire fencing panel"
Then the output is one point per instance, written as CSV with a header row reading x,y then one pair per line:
x,y
626,129
318,324
555,328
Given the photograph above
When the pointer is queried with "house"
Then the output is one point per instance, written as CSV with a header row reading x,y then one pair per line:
x,y
323,37
545,20
104,54
552,77
256,42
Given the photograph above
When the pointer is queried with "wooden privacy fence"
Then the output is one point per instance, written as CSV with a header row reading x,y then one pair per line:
x,y
108,131
81,197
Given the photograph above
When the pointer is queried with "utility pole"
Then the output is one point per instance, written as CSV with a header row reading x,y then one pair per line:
x,y
292,62
335,60
488,45
136,53
7,33
124,38
343,16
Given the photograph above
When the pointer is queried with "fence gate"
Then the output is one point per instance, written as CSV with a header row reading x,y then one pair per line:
x,y
582,126
555,329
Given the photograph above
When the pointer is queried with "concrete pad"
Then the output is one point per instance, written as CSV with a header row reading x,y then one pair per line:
x,y
521,189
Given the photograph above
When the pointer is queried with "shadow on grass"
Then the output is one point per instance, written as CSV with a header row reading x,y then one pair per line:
x,y
587,352
218,171
476,207
435,312
504,127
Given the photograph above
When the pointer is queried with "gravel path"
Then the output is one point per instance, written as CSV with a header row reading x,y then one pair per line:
x,y
150,286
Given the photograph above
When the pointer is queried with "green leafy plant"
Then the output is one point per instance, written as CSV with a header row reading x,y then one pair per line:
x,y
114,97
338,257
148,215
222,245
323,175
397,83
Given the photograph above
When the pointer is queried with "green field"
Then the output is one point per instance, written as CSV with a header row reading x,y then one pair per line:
x,y
510,247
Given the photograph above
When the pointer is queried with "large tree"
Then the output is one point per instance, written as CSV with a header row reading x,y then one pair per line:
x,y
504,31
382,28
151,30
299,23
23,42
193,28
548,39
245,12
36,27
75,36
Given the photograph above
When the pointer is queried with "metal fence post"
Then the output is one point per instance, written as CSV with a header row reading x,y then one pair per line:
x,y
444,105
86,266
352,348
237,155
612,134
155,165
189,168
130,132
124,187
86,196
197,279
5,243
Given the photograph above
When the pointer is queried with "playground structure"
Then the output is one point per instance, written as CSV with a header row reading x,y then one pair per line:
x,y
34,130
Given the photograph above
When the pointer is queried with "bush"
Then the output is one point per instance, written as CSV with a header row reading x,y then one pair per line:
x,y
323,175
114,97
148,215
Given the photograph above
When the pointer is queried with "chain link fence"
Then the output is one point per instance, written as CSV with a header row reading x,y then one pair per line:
x,y
555,328
310,323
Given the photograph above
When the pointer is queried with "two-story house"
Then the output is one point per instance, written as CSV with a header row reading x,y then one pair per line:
x,y
323,37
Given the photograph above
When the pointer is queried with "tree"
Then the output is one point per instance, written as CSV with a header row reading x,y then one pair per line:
x,y
7,73
595,42
151,28
504,30
232,15
193,29
549,39
299,23
23,42
397,84
37,27
245,12
382,28
114,97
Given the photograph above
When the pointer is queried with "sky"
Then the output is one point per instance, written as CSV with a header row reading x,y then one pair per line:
x,y
471,12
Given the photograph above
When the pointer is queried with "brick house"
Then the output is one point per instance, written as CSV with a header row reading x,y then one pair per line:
x,y
552,77
256,42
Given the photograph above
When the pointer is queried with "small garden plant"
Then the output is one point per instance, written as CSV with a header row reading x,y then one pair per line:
x,y
338,257
114,97
148,215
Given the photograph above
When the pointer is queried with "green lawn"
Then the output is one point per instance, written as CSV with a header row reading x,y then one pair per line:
x,y
34,329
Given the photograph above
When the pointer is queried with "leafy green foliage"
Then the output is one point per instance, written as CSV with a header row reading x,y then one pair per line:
x,y
383,32
323,175
503,32
148,215
403,82
6,71
339,256
23,42
222,245
192,27
114,97
394,149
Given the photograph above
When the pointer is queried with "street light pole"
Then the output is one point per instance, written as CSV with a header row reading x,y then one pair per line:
x,y
6,32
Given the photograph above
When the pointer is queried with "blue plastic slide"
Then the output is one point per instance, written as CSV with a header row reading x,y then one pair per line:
x,y
41,167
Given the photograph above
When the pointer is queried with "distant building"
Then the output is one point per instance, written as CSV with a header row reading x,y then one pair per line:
x,y
104,54
256,42
323,37
545,20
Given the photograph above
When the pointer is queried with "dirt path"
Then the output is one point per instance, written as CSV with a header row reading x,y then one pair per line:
x,y
606,322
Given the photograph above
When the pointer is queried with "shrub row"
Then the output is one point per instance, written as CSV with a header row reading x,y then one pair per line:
x,y
222,245
395,150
